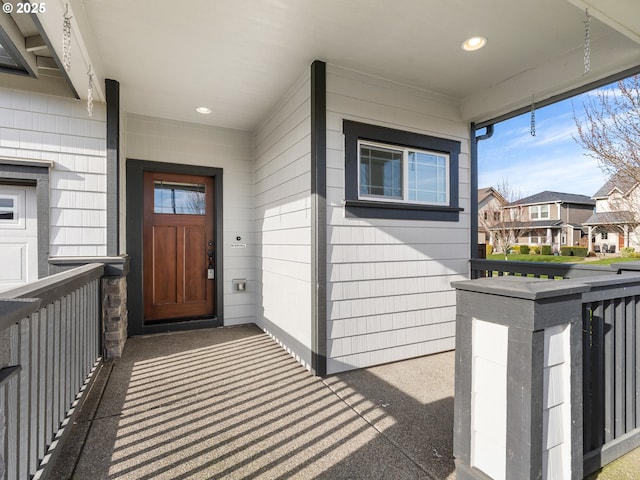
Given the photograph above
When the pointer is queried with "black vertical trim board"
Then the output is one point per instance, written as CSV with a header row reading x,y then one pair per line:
x,y
474,183
134,209
319,217
524,412
463,380
473,198
112,92
577,423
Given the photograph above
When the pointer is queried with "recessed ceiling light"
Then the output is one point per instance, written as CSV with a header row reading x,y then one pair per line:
x,y
474,43
203,110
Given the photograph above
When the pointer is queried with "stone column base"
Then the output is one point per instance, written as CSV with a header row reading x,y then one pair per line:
x,y
114,316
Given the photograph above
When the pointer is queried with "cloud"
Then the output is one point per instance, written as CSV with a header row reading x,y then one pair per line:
x,y
550,160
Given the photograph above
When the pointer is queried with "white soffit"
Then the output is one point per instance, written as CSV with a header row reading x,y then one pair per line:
x,y
240,57
621,15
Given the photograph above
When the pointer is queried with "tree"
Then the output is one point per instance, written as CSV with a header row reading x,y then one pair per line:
x,y
610,131
505,220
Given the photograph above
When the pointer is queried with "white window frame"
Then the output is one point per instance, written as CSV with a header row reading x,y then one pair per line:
x,y
18,211
538,239
405,174
535,212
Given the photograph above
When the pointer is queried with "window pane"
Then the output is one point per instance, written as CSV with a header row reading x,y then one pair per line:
x,y
178,198
427,177
380,172
7,208
544,211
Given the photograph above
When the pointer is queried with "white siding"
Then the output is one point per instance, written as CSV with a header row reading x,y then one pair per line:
x,y
389,294
55,129
489,352
556,404
169,141
282,176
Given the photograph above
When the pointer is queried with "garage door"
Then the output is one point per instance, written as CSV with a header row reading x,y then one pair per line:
x,y
18,236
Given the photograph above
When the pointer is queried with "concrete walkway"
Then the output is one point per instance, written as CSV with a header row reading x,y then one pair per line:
x,y
229,403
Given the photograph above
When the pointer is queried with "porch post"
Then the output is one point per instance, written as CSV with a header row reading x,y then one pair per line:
x,y
590,242
626,235
518,393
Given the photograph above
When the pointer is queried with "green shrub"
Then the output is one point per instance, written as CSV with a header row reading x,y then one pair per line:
x,y
573,251
566,251
627,252
524,249
545,250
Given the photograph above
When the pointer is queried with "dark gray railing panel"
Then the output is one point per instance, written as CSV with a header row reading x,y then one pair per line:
x,y
611,369
53,287
55,346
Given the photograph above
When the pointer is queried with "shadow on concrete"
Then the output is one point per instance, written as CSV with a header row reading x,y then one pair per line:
x,y
230,403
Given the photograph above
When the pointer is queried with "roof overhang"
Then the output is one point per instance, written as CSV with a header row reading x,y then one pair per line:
x,y
238,58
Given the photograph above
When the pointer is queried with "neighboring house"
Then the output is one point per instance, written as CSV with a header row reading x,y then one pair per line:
x,y
614,224
551,218
490,204
331,202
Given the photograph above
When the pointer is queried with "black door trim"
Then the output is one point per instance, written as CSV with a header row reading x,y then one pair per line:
x,y
134,209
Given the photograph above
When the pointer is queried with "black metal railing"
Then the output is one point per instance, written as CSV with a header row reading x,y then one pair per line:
x,y
497,268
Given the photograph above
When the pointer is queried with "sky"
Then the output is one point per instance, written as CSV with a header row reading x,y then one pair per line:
x,y
550,160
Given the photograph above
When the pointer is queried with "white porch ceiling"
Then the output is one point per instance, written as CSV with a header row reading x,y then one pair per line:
x,y
239,56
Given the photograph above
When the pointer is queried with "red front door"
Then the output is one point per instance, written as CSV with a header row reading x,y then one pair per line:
x,y
178,246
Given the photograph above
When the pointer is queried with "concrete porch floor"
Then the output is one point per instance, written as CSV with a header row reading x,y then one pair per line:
x,y
230,403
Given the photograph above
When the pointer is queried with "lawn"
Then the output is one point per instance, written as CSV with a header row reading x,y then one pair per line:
x,y
560,259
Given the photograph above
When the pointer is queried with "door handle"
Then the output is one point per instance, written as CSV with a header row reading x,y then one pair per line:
x,y
210,270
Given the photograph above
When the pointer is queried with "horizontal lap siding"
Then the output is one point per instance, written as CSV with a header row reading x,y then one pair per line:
x,y
388,293
282,176
58,130
160,140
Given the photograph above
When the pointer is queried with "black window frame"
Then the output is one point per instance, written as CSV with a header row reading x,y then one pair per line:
x,y
401,210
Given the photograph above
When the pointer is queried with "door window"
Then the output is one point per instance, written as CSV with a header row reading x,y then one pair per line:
x,y
178,198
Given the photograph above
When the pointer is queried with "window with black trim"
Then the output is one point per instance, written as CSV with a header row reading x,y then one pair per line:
x,y
400,174
397,174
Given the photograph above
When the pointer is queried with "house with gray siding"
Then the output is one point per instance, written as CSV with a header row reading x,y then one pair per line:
x,y
551,218
327,192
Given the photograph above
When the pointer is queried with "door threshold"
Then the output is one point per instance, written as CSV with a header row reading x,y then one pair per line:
x,y
179,320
